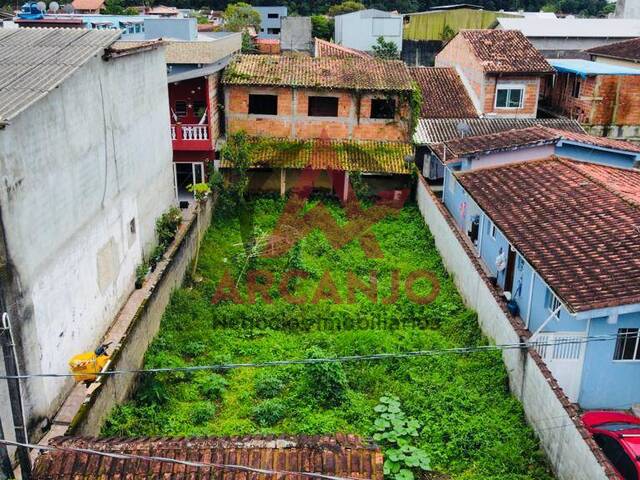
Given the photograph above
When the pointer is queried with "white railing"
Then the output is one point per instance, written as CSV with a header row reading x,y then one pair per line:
x,y
173,132
195,132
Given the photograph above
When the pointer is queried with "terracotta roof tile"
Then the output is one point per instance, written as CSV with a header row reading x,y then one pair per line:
x,y
330,49
597,141
626,50
323,72
435,130
346,456
349,155
623,181
443,93
580,234
506,51
87,4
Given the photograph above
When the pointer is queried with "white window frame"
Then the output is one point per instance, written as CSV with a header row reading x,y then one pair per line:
x,y
555,302
492,230
636,352
509,87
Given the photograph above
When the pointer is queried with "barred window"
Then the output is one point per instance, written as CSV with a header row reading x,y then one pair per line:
x,y
627,344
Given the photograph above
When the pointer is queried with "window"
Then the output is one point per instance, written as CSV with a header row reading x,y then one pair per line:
x,y
263,104
273,31
323,106
618,457
272,15
199,109
509,97
551,302
492,229
132,226
575,92
181,109
627,344
383,108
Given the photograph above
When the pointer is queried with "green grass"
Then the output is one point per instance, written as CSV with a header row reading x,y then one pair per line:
x,y
472,427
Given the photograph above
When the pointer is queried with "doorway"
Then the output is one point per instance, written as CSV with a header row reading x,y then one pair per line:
x,y
511,267
185,174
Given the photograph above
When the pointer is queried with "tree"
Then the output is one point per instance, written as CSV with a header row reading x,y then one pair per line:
x,y
113,7
247,43
322,27
385,50
345,7
240,16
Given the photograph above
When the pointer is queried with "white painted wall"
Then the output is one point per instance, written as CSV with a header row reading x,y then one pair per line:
x,y
361,29
75,169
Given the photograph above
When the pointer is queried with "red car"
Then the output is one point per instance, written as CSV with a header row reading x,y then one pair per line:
x,y
618,435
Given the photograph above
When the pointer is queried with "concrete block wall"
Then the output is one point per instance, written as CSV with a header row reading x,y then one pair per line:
x,y
292,120
115,389
571,451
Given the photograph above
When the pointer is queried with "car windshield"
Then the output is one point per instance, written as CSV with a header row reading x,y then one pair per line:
x,y
616,427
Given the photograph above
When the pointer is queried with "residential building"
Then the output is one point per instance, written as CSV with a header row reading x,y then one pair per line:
x,y
87,6
163,11
271,20
301,97
627,9
624,54
435,131
531,143
86,168
295,35
360,30
342,455
444,94
501,69
425,33
569,37
194,69
560,238
602,97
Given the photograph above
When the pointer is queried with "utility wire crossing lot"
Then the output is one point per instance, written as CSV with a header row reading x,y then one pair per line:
x,y
471,427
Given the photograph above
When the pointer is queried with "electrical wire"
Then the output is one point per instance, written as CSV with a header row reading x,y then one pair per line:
x,y
188,463
350,358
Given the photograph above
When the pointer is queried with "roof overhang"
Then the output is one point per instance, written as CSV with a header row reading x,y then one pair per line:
x,y
195,72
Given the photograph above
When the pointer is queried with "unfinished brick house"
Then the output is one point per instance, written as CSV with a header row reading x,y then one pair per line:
x,y
306,98
604,98
501,69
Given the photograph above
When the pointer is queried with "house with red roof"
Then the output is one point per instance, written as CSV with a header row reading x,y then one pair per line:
x,y
560,238
501,69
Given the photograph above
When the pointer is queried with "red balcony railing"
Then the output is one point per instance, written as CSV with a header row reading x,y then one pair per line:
x,y
191,137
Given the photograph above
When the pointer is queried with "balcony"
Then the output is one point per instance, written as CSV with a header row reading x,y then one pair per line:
x,y
187,137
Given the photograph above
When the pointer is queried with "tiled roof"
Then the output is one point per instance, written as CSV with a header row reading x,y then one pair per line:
x,y
625,182
34,61
524,137
349,155
505,51
443,93
437,130
626,50
330,49
580,234
323,72
531,136
597,141
87,4
347,456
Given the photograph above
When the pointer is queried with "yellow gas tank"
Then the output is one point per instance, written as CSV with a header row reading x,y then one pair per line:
x,y
85,366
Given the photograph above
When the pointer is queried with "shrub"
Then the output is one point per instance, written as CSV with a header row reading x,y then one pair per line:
x,y
268,412
212,386
202,413
268,385
326,381
167,226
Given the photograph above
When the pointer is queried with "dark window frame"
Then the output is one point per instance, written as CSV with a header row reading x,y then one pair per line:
x,y
383,108
262,104
319,106
180,113
627,347
273,15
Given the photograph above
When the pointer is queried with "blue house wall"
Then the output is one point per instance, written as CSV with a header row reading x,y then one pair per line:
x,y
587,153
603,382
609,383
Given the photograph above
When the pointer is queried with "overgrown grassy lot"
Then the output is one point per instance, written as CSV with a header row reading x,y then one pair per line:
x,y
470,426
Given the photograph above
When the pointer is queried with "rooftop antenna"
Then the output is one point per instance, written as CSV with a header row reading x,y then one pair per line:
x,y
463,128
54,7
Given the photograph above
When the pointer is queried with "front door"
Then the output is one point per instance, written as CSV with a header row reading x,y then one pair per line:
x,y
185,174
511,267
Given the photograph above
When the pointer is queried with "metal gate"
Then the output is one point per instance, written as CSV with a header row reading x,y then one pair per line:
x,y
563,352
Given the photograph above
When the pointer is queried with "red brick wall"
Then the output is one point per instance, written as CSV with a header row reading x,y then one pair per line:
x,y
293,121
530,101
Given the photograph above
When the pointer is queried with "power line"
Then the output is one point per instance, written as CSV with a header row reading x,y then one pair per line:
x,y
350,358
188,463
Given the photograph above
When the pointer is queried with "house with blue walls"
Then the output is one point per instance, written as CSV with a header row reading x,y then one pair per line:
x,y
561,239
529,143
271,20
